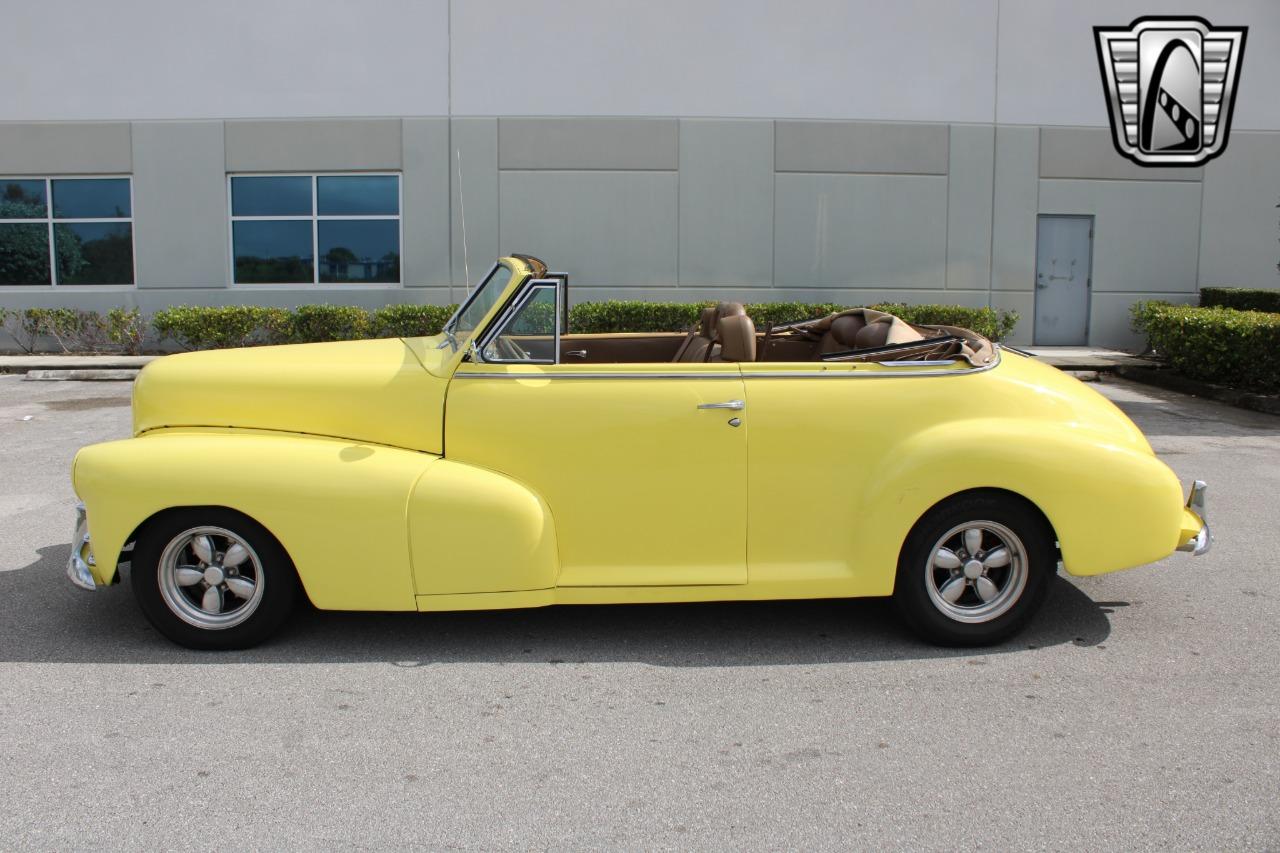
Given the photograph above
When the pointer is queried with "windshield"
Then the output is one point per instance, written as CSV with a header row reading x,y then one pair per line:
x,y
461,326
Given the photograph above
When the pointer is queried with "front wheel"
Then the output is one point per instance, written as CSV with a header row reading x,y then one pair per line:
x,y
975,569
212,578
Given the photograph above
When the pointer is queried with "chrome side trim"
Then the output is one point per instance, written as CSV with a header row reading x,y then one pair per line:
x,y
872,374
737,377
81,559
803,374
916,363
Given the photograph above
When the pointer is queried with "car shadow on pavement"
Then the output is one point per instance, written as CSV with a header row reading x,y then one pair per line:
x,y
43,619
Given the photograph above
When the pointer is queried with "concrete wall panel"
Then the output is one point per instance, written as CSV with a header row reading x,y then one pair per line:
x,y
606,229
588,143
969,202
860,231
1238,235
294,145
1049,66
916,60
1088,152
425,216
1025,304
39,148
854,147
1109,318
155,59
180,205
1013,224
1146,235
473,176
726,203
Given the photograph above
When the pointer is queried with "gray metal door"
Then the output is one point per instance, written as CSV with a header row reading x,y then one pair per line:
x,y
1064,256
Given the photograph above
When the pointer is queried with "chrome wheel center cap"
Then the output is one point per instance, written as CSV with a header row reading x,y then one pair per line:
x,y
973,570
213,575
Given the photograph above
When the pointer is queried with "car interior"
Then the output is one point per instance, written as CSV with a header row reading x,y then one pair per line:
x,y
726,333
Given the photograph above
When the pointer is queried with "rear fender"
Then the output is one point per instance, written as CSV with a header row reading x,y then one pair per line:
x,y
1112,506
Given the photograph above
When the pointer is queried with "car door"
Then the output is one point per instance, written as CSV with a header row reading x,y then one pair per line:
x,y
643,466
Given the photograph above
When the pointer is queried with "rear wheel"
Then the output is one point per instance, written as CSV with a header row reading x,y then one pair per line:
x,y
212,578
975,569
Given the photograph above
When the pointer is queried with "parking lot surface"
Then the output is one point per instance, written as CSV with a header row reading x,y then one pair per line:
x,y
1140,710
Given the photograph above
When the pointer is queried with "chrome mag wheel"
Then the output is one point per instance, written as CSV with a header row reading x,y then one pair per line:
x,y
210,578
976,572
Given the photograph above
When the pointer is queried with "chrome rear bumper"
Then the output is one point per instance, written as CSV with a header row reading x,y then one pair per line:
x,y
1204,539
81,559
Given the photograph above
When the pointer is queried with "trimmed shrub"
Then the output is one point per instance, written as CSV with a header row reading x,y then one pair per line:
x,y
1240,298
70,329
213,327
126,328
410,321
318,323
634,316
1240,349
598,318
988,322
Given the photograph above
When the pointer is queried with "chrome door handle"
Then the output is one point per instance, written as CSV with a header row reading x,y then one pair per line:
x,y
735,405
577,353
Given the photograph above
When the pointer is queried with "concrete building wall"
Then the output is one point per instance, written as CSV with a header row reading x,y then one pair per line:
x,y
658,150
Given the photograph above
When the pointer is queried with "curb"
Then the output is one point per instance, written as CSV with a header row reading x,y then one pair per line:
x,y
1164,378
87,375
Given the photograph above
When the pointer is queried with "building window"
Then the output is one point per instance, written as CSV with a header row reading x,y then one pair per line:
x,y
66,231
315,229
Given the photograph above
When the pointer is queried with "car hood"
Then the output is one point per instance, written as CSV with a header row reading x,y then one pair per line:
x,y
388,391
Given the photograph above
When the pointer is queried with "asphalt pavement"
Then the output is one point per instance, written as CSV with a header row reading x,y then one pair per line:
x,y
1140,710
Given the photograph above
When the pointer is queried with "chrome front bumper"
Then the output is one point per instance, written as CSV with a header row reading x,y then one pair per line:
x,y
81,560
1204,539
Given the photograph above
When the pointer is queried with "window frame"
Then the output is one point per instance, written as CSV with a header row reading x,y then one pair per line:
x,y
512,311
315,217
49,221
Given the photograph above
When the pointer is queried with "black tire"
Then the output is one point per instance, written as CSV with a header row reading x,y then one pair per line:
x,y
175,606
923,586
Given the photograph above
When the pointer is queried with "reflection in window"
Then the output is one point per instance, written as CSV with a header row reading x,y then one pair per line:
x,y
529,335
288,229
94,252
273,251
359,250
85,236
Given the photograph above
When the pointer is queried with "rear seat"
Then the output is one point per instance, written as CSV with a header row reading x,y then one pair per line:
x,y
842,336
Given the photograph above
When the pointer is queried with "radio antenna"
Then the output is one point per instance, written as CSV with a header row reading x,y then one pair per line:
x,y
462,206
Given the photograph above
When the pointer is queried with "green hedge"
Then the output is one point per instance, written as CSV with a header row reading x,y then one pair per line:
x,y
1240,298
217,327
120,329
634,316
1240,349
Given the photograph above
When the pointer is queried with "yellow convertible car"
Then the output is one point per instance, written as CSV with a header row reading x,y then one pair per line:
x,y
508,462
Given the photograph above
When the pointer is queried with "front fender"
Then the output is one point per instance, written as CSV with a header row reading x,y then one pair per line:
x,y
338,507
1112,504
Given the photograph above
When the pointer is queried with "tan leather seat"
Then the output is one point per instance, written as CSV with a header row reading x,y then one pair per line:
x,y
842,336
737,335
695,346
884,332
